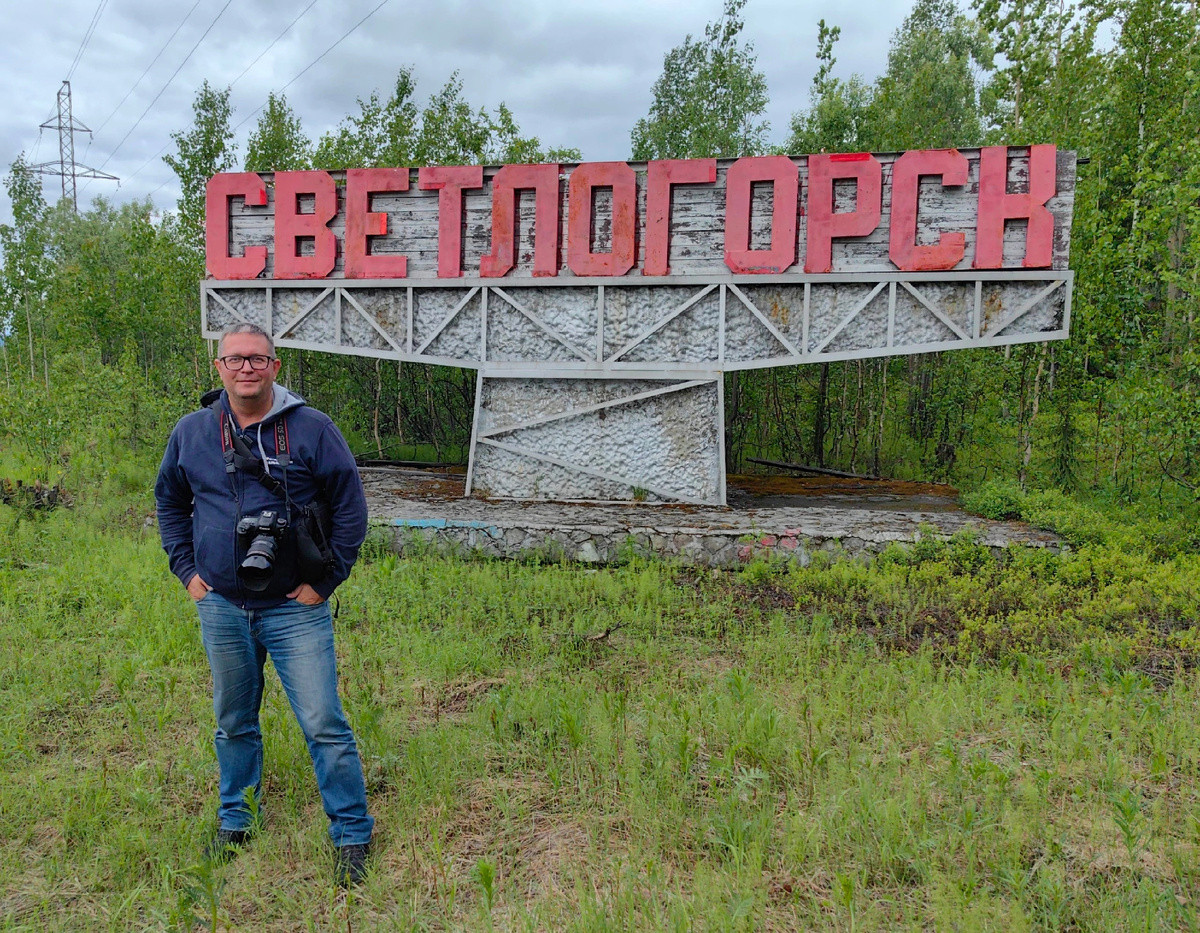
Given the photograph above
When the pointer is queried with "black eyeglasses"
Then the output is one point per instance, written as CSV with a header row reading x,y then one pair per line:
x,y
237,363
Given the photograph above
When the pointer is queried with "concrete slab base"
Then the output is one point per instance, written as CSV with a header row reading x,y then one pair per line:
x,y
778,517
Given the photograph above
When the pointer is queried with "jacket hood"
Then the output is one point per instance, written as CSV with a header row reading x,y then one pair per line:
x,y
284,400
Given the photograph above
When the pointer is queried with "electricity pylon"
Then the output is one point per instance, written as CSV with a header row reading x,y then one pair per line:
x,y
66,166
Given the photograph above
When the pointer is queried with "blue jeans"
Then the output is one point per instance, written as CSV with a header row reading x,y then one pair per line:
x,y
299,640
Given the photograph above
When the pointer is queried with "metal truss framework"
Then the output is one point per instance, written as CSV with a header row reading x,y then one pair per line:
x,y
611,389
259,301
67,126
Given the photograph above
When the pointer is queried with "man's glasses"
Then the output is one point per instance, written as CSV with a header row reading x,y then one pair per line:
x,y
237,363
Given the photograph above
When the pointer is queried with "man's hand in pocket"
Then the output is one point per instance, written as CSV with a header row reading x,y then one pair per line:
x,y
197,588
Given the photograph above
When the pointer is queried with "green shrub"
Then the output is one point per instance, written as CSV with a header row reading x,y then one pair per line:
x,y
997,500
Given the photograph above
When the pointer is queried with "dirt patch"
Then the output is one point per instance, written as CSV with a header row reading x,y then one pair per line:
x,y
758,491
774,485
903,628
453,700
743,598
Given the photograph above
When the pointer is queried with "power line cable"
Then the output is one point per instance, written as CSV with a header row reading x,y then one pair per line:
x,y
301,73
38,145
148,67
272,45
231,84
345,35
87,37
147,162
139,120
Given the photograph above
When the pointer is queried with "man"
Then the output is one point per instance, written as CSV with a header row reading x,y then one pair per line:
x,y
203,492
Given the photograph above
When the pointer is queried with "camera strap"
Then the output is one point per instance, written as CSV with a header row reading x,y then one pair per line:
x,y
238,454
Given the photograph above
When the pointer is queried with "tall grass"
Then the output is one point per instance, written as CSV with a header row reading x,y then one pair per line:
x,y
943,739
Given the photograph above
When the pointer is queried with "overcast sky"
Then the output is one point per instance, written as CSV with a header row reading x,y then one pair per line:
x,y
574,74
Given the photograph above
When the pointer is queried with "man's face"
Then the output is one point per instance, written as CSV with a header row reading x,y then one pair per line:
x,y
246,384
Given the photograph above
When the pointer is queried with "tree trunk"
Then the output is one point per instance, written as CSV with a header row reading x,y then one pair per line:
x,y
45,355
1175,242
733,408
856,418
840,434
375,407
1027,427
877,455
29,329
819,418
399,401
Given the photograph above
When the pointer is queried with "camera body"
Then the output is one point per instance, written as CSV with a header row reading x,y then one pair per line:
x,y
264,532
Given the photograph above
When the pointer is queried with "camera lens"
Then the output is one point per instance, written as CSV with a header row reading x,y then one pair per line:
x,y
257,568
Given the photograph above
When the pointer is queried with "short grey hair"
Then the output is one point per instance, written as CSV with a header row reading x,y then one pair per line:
x,y
245,328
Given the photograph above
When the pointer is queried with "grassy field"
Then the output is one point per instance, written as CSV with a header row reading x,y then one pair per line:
x,y
944,739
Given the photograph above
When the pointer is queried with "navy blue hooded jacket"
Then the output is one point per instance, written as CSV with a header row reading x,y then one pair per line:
x,y
200,504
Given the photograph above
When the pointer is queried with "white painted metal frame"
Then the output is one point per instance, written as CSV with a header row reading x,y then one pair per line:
x,y
402,346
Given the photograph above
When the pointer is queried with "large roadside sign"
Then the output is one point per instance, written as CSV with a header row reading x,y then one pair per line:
x,y
601,302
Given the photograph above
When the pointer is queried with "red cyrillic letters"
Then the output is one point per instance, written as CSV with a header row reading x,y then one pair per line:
x,y
543,179
996,206
951,165
782,172
217,194
291,225
450,180
823,223
950,206
661,175
361,223
584,180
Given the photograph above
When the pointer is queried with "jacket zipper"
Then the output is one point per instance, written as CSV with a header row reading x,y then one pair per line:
x,y
238,489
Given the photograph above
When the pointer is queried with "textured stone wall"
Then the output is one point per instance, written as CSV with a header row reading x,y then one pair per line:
x,y
617,440
704,547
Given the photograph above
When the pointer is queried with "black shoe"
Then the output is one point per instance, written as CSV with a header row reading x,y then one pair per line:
x,y
225,844
351,866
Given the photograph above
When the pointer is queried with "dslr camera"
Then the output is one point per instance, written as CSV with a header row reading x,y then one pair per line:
x,y
264,532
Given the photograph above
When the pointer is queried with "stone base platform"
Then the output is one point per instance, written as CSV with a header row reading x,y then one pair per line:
x,y
783,517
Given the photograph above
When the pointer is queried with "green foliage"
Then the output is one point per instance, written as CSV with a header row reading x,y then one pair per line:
x,y
1112,414
447,131
997,500
201,152
929,96
839,118
278,143
25,272
709,99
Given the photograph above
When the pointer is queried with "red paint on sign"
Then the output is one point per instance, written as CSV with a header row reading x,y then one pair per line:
x,y
951,166
543,179
361,223
996,206
450,180
219,191
823,224
987,213
291,226
580,195
782,173
661,176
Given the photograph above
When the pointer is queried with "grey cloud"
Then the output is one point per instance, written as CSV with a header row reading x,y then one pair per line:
x,y
574,74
